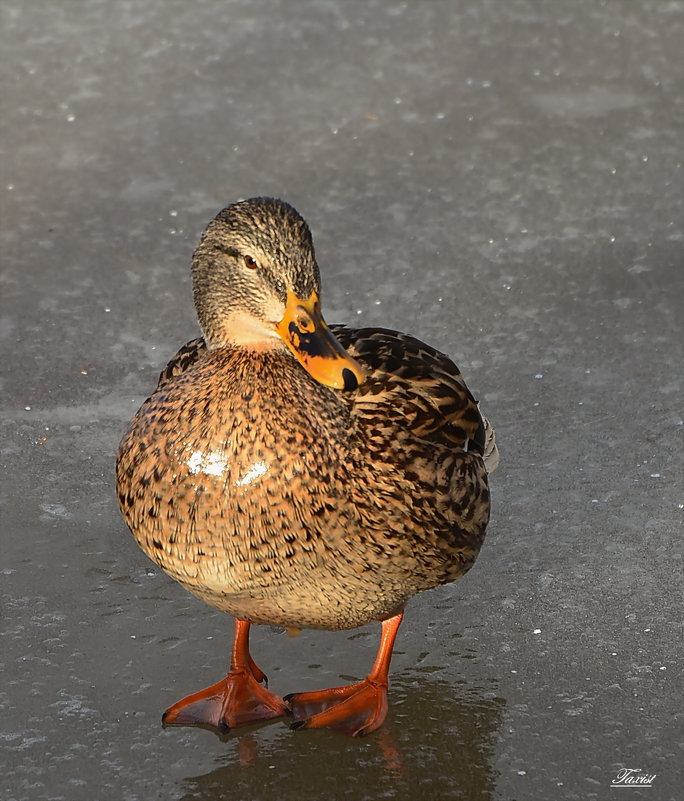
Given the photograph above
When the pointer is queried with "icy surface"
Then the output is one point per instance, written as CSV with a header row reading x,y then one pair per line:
x,y
503,180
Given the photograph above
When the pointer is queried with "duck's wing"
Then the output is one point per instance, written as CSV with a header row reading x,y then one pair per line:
x,y
186,357
421,385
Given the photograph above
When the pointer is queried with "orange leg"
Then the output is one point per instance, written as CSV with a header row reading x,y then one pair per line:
x,y
237,700
357,709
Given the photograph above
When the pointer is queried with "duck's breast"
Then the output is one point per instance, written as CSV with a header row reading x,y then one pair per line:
x,y
225,472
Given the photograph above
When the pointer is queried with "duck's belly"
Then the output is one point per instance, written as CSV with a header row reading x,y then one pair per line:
x,y
246,503
248,534
319,602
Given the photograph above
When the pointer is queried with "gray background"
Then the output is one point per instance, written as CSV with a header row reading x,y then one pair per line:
x,y
501,179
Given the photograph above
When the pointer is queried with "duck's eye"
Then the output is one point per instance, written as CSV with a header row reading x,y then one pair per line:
x,y
250,262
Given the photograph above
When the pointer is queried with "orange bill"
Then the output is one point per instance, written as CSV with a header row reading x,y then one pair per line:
x,y
304,331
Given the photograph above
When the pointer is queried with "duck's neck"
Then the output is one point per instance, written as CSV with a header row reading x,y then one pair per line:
x,y
240,330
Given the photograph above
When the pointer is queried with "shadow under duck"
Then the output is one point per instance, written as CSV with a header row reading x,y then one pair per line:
x,y
300,475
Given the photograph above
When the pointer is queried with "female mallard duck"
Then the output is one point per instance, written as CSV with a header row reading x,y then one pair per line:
x,y
298,475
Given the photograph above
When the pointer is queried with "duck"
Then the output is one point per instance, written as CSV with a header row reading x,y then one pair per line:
x,y
300,475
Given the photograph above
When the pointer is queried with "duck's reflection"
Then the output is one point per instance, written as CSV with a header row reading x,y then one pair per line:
x,y
437,742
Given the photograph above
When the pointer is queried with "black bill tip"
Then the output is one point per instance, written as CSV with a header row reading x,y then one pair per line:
x,y
350,380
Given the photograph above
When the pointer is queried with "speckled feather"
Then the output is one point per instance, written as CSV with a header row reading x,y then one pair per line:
x,y
281,501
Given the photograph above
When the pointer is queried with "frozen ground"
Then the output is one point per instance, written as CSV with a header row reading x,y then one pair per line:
x,y
502,179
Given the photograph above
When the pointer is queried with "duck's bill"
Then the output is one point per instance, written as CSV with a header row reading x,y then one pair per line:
x,y
304,331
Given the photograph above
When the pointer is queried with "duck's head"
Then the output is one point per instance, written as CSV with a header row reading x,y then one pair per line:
x,y
256,285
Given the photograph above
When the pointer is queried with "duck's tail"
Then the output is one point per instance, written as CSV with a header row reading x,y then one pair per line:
x,y
491,452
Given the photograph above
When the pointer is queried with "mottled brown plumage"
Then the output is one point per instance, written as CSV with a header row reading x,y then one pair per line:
x,y
281,500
